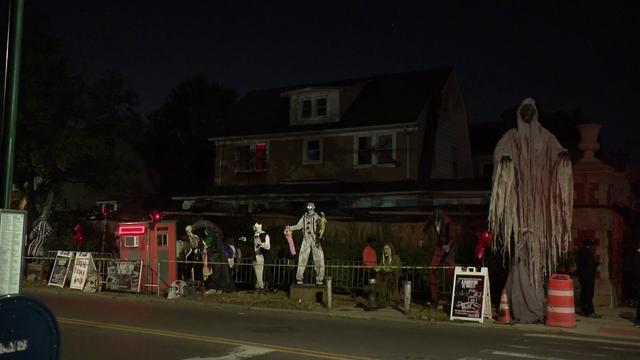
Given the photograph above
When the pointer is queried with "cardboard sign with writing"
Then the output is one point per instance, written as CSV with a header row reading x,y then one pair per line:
x,y
470,298
124,275
83,266
60,268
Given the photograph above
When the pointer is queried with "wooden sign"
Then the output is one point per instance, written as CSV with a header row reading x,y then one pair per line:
x,y
60,268
124,275
12,239
471,296
83,266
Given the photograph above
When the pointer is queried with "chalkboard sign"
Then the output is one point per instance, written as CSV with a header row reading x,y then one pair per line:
x,y
60,268
124,275
12,238
470,298
83,266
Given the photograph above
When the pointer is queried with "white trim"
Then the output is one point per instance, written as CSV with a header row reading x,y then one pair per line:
x,y
305,143
554,292
298,134
561,309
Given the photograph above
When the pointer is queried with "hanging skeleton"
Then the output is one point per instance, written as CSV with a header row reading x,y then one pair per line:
x,y
531,208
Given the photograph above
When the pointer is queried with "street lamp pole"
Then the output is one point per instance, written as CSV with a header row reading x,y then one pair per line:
x,y
10,99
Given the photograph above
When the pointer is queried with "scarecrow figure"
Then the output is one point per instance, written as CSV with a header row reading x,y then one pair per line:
x,y
531,209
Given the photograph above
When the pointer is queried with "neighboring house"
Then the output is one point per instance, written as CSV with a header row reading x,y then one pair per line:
x,y
390,141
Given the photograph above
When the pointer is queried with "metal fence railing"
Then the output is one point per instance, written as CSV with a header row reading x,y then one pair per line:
x,y
347,276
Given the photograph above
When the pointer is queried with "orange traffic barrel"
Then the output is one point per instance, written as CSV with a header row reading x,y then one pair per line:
x,y
561,311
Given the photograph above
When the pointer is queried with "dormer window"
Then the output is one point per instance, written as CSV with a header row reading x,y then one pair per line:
x,y
313,108
314,105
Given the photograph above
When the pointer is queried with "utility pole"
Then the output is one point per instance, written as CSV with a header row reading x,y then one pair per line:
x,y
10,100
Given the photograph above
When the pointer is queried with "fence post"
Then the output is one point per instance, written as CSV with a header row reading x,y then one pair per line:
x,y
329,290
407,297
158,273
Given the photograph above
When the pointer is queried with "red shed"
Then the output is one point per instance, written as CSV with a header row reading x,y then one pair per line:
x,y
155,244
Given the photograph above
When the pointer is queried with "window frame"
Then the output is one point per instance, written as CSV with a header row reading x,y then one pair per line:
x,y
375,161
314,99
305,151
136,241
253,154
165,238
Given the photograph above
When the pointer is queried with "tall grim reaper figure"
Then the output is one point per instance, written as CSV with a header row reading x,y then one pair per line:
x,y
531,209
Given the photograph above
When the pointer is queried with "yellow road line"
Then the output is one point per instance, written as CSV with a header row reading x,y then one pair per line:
x,y
209,339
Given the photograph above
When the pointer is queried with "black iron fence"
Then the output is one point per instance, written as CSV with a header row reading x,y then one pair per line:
x,y
346,276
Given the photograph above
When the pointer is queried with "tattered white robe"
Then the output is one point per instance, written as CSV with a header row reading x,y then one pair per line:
x,y
530,212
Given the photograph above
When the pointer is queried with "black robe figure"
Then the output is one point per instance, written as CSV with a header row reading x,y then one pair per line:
x,y
587,265
220,279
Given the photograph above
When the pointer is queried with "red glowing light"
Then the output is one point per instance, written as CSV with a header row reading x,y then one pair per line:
x,y
155,216
132,229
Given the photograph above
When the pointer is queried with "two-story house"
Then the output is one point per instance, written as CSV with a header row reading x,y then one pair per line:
x,y
390,142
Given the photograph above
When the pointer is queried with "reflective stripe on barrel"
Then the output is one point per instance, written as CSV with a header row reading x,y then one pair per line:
x,y
560,303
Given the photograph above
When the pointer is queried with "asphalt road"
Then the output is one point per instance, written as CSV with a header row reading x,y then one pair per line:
x,y
106,328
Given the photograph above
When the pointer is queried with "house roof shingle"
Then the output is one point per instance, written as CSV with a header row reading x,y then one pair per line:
x,y
384,99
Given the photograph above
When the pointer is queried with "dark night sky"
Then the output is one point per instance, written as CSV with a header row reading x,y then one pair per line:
x,y
566,55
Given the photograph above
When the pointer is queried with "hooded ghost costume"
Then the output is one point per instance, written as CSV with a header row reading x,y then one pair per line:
x,y
531,209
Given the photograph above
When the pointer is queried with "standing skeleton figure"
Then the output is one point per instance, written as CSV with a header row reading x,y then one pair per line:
x,y
313,226
531,209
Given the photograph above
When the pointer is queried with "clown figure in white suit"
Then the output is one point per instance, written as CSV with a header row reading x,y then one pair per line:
x,y
261,246
312,226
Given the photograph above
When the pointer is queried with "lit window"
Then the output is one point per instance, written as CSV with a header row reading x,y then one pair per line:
x,y
131,241
163,239
251,157
312,151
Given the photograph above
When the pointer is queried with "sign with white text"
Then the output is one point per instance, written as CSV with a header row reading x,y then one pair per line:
x,y
60,268
124,275
12,242
83,266
470,297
